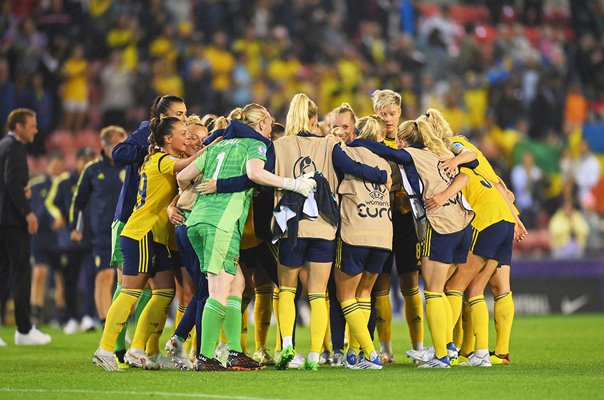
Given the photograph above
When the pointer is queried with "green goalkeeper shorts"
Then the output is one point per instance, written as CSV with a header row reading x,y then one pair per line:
x,y
215,248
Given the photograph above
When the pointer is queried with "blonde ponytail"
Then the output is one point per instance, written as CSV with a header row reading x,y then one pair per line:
x,y
301,111
370,128
440,125
420,132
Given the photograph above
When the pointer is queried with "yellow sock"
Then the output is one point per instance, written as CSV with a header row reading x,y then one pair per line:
x,y
191,342
504,317
262,314
243,341
151,317
365,306
278,338
117,316
454,299
318,321
327,337
458,333
178,316
353,343
437,321
152,346
414,314
383,310
449,319
467,345
223,338
480,322
287,310
357,323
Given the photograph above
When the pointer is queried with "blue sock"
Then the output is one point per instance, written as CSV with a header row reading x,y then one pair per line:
x,y
188,320
336,318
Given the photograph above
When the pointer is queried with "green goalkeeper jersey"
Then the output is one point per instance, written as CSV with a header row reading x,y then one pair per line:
x,y
225,159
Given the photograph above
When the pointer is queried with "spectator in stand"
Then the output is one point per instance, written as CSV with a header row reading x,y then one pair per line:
x,y
568,230
7,88
593,247
118,91
198,79
75,90
525,179
165,78
587,172
575,109
546,110
222,62
37,98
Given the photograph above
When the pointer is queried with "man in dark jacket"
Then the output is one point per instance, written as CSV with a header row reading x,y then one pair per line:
x,y
99,185
17,221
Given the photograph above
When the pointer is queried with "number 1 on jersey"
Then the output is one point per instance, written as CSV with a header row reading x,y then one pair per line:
x,y
220,158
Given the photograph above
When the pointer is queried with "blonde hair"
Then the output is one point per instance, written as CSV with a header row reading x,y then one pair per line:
x,y
220,123
440,125
108,131
370,127
194,119
385,98
343,109
420,132
301,111
250,115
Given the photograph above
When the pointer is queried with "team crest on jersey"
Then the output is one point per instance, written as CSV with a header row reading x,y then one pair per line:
x,y
101,176
262,150
304,165
376,191
447,177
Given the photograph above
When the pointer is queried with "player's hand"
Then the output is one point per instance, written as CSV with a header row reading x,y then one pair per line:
x,y
388,183
207,187
32,223
511,196
76,235
58,224
435,203
520,231
175,215
449,167
303,184
27,191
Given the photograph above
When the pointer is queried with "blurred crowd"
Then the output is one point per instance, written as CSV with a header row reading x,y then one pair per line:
x,y
524,79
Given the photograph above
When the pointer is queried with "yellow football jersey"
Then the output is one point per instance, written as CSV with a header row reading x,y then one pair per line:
x,y
156,189
249,240
480,192
390,143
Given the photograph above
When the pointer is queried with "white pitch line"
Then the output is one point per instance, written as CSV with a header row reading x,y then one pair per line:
x,y
135,393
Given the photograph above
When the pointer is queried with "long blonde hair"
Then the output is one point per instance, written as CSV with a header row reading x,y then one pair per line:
x,y
301,111
440,125
370,127
220,123
420,132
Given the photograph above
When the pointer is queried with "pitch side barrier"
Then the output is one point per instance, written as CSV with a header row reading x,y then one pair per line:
x,y
557,287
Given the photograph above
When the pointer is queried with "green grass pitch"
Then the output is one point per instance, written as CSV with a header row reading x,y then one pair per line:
x,y
553,357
